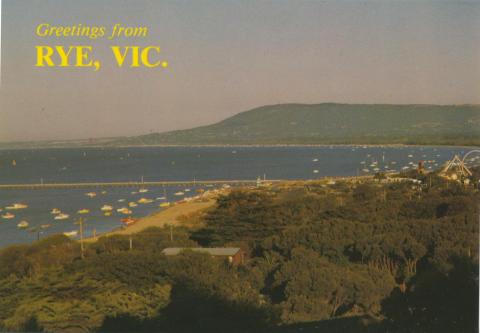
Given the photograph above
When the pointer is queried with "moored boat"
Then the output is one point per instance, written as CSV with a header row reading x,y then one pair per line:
x,y
128,221
16,206
8,216
62,216
144,201
23,225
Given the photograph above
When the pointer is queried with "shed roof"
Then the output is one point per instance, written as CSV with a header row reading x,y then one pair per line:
x,y
214,251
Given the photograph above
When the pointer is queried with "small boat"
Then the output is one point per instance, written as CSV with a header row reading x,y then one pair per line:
x,y
72,233
179,193
315,160
61,216
160,198
128,221
143,190
132,204
121,200
124,210
45,226
23,225
365,170
8,216
16,206
133,192
164,204
91,194
14,163
106,208
187,190
55,211
315,171
107,213
410,155
144,201
83,211
200,190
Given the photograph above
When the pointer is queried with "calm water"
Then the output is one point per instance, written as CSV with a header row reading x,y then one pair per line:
x,y
171,163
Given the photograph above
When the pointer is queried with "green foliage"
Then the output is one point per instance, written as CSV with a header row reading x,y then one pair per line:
x,y
319,254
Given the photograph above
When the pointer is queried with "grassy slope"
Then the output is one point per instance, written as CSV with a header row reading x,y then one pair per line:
x,y
333,123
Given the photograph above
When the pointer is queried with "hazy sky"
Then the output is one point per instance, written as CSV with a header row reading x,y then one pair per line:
x,y
229,56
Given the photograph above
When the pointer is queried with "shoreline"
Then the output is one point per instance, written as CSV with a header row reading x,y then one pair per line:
x,y
279,145
171,215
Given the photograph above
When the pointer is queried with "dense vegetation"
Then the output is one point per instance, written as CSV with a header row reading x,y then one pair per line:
x,y
331,123
346,257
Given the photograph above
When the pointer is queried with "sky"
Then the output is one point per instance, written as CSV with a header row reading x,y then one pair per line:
x,y
226,57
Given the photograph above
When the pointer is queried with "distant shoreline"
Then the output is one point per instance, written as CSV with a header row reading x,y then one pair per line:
x,y
387,145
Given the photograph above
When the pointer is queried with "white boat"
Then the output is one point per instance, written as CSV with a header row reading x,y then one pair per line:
x,y
160,198
365,170
179,193
23,225
121,200
106,208
45,226
16,206
134,192
187,190
315,171
132,204
83,211
72,233
61,216
315,160
55,211
91,194
143,190
8,216
124,210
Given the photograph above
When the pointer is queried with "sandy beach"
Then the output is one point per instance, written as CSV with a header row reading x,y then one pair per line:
x,y
176,214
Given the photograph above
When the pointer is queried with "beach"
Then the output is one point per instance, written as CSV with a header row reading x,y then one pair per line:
x,y
177,214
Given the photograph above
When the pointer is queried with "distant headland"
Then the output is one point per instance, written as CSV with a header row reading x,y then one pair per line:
x,y
314,124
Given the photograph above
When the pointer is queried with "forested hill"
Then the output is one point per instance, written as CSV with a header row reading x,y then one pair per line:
x,y
331,123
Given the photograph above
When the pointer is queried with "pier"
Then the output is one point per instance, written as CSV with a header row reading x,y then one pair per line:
x,y
125,184
238,182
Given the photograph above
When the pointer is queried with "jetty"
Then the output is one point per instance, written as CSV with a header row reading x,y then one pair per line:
x,y
139,184
126,184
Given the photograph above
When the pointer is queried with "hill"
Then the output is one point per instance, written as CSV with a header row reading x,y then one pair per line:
x,y
331,123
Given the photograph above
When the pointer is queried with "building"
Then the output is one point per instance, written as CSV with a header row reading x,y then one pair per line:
x,y
233,255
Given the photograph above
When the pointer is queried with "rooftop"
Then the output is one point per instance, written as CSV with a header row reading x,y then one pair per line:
x,y
214,251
